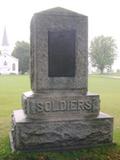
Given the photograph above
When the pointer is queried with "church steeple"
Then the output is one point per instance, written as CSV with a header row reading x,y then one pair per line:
x,y
5,39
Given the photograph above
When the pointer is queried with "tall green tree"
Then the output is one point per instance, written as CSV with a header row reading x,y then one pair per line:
x,y
102,52
21,51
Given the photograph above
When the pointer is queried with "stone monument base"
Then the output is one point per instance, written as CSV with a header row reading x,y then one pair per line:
x,y
30,134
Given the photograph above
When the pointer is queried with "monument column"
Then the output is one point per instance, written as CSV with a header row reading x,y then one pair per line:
x,y
59,114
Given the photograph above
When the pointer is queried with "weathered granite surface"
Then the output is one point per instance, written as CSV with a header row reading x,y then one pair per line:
x,y
43,135
60,105
59,114
56,20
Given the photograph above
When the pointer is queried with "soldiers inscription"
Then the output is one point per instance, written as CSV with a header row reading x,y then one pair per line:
x,y
61,53
62,104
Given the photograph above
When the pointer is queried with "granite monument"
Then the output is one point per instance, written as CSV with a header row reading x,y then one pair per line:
x,y
59,113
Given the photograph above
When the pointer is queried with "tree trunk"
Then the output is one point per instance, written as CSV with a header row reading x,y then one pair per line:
x,y
101,70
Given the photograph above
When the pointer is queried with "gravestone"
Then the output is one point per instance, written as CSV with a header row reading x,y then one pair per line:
x,y
59,113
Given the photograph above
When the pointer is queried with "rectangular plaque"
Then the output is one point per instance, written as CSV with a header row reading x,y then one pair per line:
x,y
61,53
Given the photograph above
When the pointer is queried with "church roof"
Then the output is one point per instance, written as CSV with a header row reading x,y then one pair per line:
x,y
9,56
5,39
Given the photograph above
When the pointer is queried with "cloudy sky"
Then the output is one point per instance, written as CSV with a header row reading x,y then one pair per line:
x,y
104,17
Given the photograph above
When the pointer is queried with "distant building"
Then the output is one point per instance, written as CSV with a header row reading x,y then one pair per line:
x,y
8,63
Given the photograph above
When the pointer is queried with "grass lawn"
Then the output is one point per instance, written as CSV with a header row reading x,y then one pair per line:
x,y
11,88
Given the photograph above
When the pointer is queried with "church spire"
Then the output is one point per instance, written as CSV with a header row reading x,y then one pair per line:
x,y
5,40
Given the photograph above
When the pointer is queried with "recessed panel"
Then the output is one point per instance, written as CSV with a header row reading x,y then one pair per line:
x,y
61,53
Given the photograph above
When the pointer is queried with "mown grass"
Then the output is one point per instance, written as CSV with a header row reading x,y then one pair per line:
x,y
109,91
11,88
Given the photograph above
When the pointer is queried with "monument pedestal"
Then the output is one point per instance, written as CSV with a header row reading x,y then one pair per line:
x,y
51,121
47,135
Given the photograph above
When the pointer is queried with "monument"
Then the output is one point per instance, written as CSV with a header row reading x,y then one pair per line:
x,y
59,113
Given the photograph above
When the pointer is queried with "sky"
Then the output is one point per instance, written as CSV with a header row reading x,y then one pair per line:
x,y
103,16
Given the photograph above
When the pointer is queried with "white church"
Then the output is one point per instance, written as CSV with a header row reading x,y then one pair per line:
x,y
8,63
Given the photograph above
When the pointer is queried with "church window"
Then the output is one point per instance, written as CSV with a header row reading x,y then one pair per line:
x,y
13,66
5,63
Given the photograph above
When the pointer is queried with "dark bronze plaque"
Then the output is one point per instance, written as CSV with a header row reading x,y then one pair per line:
x,y
61,54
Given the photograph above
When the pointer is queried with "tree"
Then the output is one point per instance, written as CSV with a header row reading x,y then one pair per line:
x,y
21,51
102,52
